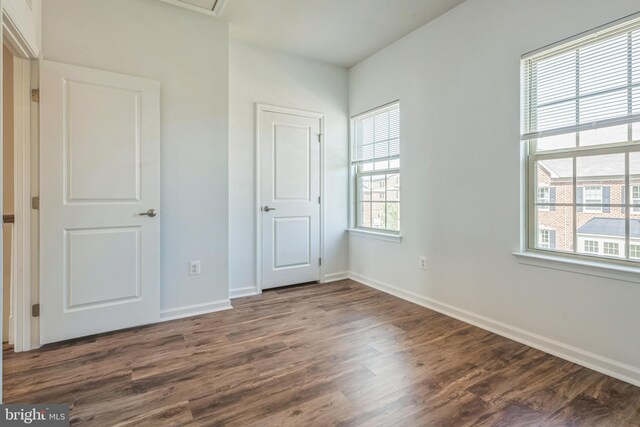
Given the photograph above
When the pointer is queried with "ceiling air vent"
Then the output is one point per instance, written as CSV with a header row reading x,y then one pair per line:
x,y
209,7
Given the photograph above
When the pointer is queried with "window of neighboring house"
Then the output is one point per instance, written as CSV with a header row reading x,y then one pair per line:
x,y
581,125
544,198
635,198
634,251
544,239
592,195
611,248
376,164
591,246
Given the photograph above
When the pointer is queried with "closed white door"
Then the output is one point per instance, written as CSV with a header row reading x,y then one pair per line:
x,y
99,195
290,198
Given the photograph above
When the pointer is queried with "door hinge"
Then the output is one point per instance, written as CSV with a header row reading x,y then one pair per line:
x,y
35,310
35,95
35,203
320,261
319,137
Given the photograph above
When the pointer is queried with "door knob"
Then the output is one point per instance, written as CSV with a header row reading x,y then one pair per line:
x,y
151,213
267,209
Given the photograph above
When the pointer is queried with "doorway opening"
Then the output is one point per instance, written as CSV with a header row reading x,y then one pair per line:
x,y
8,192
20,190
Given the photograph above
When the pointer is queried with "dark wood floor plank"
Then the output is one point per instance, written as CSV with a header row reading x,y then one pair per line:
x,y
175,414
315,355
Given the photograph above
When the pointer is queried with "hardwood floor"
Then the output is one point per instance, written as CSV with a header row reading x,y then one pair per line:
x,y
337,354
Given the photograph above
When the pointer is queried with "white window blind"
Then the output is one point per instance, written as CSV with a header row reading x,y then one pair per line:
x,y
377,136
590,83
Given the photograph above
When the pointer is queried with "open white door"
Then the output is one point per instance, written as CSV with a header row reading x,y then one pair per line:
x,y
290,197
100,170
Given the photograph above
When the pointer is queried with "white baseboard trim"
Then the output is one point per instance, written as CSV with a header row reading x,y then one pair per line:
x,y
576,355
194,310
243,292
334,277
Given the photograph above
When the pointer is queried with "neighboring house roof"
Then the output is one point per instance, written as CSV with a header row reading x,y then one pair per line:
x,y
610,227
592,166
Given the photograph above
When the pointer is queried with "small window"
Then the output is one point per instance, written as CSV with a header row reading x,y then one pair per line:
x,y
376,165
635,198
611,248
591,246
634,251
544,239
544,198
592,196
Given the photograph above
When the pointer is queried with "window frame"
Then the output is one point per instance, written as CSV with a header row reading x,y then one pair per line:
x,y
356,174
626,148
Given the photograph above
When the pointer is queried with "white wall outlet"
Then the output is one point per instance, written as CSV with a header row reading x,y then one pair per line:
x,y
194,268
422,262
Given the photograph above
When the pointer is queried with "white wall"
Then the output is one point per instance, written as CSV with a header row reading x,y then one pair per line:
x,y
188,53
265,76
25,16
458,80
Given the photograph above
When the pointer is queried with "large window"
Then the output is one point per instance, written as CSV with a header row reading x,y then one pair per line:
x,y
376,163
581,126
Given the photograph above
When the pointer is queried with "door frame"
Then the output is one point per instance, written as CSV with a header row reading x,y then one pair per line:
x,y
264,108
25,283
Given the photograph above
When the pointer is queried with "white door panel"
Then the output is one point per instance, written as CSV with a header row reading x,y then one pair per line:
x,y
290,187
291,167
103,159
100,168
111,278
292,246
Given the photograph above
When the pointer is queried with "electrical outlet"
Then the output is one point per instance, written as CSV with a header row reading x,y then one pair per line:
x,y
194,268
422,262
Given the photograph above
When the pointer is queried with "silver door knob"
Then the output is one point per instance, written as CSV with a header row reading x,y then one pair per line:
x,y
267,209
151,213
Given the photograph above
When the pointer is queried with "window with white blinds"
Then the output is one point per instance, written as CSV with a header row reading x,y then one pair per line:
x,y
377,136
581,125
376,163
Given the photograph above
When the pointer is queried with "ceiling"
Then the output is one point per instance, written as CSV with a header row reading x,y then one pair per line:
x,y
210,7
207,4
341,32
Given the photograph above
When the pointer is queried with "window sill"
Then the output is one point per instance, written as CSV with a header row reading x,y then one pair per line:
x,y
579,266
387,237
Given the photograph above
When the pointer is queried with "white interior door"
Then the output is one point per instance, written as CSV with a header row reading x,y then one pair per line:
x,y
290,198
100,169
